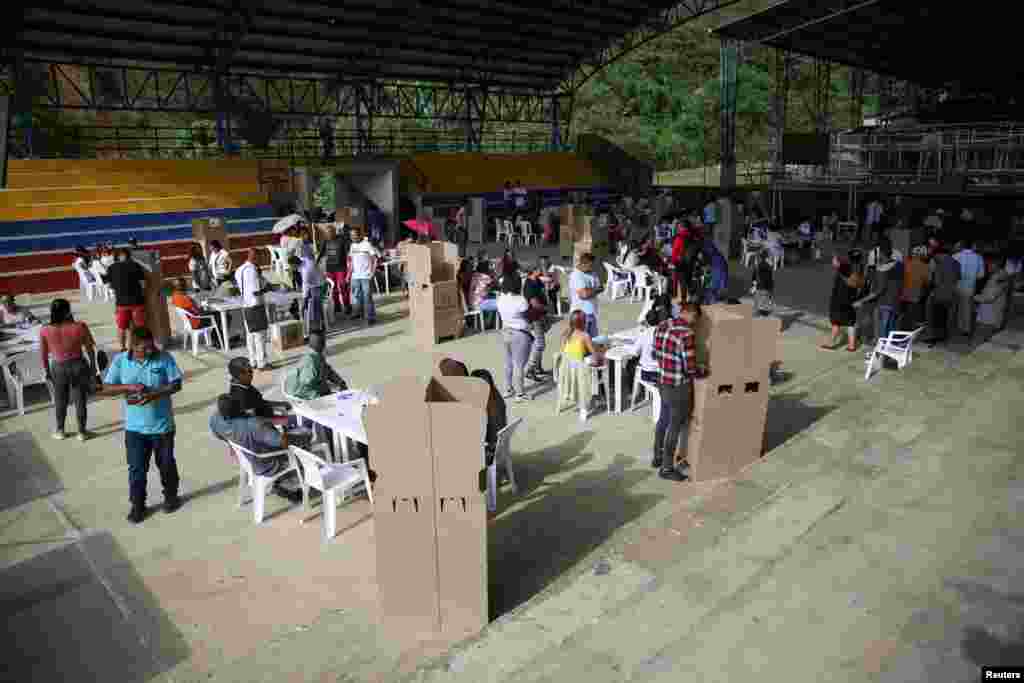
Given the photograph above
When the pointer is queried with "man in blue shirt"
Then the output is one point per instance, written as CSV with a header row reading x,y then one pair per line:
x,y
147,377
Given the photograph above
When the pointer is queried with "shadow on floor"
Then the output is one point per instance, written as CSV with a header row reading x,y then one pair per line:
x,y
28,475
532,546
788,415
81,613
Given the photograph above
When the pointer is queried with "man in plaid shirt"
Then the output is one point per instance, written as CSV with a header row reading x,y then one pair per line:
x,y
675,352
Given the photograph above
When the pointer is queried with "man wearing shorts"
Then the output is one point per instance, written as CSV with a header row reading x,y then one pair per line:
x,y
128,280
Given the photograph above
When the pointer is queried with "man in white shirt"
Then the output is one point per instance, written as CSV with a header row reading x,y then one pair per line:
x,y
363,257
251,285
220,262
583,290
972,269
517,339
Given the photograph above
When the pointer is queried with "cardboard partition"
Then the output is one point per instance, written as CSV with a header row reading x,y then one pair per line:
x,y
730,341
405,536
430,516
433,262
462,564
286,335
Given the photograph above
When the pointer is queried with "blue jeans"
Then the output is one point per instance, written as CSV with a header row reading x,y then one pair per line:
x,y
489,307
591,326
886,320
140,447
362,299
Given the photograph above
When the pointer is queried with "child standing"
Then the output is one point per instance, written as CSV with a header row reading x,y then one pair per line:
x,y
764,284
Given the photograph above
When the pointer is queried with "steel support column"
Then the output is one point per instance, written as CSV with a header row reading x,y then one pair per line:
x,y
857,79
5,124
822,96
556,124
729,81
476,117
784,64
365,105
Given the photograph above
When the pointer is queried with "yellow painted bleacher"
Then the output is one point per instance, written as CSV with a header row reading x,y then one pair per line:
x,y
473,173
42,189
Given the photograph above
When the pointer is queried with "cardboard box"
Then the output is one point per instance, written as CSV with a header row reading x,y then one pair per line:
x,y
286,335
731,404
205,230
430,515
435,306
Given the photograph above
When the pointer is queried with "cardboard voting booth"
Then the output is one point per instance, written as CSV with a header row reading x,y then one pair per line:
x,y
567,229
286,335
591,237
429,509
435,308
731,404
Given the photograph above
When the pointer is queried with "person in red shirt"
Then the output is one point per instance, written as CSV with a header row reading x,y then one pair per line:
x,y
678,252
676,355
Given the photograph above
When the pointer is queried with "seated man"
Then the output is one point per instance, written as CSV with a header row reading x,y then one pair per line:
x,y
249,397
257,435
182,300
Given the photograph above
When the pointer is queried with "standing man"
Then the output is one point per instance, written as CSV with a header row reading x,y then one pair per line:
x,y
128,280
972,269
251,285
675,353
583,290
220,263
363,257
944,278
334,257
148,377
873,219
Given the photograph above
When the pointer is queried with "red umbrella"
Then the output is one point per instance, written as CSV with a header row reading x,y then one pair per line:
x,y
420,227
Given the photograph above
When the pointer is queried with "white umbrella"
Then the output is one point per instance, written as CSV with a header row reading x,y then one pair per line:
x,y
287,223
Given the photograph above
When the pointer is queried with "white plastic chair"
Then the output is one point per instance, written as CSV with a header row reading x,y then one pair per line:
x,y
898,345
639,386
328,479
750,252
288,397
187,331
502,456
526,232
258,486
469,314
617,286
23,370
641,290
502,229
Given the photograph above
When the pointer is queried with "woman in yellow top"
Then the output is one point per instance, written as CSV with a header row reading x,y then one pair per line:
x,y
576,343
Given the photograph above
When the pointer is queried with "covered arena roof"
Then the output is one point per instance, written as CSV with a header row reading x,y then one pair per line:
x,y
933,44
526,44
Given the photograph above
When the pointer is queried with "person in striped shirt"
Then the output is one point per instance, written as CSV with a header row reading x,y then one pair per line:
x,y
675,353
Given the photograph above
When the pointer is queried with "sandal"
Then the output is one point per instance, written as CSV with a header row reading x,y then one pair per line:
x,y
830,347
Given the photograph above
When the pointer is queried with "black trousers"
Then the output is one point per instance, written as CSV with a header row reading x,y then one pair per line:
x,y
941,317
675,412
71,383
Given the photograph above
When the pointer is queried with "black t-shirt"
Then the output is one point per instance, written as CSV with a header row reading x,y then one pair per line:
x,y
250,398
534,289
126,277
335,255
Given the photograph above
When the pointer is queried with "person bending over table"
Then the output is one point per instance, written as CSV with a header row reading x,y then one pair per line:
x,y
257,435
313,378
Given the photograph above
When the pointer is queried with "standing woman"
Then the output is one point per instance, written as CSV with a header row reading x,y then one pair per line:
x,y
197,266
842,314
517,339
72,371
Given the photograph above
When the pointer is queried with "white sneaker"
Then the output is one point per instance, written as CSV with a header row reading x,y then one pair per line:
x,y
60,436
521,398
84,436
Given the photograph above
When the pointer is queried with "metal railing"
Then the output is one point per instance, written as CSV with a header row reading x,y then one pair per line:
x,y
173,142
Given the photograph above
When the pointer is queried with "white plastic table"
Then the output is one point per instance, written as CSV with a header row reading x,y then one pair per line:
x,y
386,265
234,303
620,355
342,413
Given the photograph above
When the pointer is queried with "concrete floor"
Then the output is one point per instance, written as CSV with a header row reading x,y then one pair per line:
x,y
876,541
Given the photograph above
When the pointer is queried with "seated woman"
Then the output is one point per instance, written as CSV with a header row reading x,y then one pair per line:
x,y
576,343
481,289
